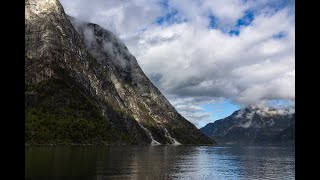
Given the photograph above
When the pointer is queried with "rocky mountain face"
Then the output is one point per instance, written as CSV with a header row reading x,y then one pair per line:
x,y
254,125
84,86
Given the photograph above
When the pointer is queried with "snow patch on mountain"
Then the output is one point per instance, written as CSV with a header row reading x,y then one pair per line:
x,y
264,111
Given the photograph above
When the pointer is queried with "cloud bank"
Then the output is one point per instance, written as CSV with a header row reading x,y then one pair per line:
x,y
205,49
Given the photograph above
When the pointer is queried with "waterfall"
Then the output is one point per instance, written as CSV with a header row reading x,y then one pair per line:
x,y
173,140
153,141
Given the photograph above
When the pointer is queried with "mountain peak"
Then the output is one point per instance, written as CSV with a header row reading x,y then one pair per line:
x,y
40,7
254,124
264,111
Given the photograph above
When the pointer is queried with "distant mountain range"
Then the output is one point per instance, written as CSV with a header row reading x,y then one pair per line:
x,y
254,125
83,86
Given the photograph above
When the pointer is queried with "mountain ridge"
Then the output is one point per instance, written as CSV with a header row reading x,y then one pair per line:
x,y
254,125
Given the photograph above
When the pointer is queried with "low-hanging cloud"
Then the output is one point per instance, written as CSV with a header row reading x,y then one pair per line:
x,y
112,47
122,17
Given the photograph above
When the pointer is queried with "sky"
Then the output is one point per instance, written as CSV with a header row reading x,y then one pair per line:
x,y
208,57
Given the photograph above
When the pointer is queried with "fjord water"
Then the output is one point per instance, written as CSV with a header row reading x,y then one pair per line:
x,y
159,162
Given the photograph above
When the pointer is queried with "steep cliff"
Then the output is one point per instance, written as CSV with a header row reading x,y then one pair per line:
x,y
84,86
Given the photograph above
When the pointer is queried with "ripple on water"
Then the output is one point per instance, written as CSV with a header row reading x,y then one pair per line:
x,y
160,162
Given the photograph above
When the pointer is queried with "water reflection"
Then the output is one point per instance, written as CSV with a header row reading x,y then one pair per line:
x,y
159,162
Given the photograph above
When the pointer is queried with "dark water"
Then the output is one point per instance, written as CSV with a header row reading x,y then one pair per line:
x,y
159,162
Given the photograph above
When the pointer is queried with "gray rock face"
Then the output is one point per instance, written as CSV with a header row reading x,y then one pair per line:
x,y
86,72
254,125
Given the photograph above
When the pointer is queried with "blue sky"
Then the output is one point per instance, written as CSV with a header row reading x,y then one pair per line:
x,y
219,110
208,57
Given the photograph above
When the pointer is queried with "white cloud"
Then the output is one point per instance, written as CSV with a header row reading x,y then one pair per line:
x,y
122,17
188,61
190,108
198,61
228,11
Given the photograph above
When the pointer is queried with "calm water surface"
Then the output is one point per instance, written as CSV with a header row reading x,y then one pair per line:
x,y
159,162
